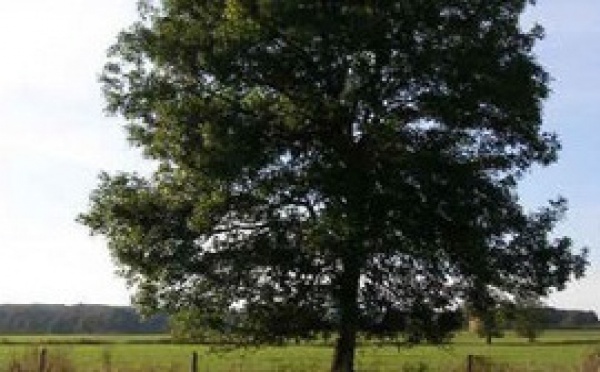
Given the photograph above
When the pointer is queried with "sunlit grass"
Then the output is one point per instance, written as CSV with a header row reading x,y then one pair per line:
x,y
554,351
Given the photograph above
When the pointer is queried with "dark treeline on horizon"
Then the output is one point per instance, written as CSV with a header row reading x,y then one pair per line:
x,y
98,319
77,319
558,318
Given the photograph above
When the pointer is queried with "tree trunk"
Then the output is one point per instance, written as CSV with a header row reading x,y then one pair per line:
x,y
343,359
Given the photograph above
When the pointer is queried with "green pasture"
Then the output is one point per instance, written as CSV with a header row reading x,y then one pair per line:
x,y
554,351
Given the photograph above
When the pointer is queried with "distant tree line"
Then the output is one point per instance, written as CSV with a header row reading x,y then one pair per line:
x,y
557,318
77,319
86,319
528,319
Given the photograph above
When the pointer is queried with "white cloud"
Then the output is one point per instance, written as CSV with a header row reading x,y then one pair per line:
x,y
580,294
56,264
54,141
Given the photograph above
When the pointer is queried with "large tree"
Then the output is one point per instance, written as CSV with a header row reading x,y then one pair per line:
x,y
336,165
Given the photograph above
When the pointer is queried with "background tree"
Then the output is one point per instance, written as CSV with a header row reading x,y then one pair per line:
x,y
488,315
528,318
492,325
330,165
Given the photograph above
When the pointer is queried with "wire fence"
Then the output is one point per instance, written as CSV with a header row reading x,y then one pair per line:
x,y
59,360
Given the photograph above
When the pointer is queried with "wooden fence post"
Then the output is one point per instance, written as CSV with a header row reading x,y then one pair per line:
x,y
194,362
42,360
469,363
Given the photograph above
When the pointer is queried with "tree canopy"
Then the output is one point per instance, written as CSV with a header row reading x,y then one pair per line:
x,y
331,165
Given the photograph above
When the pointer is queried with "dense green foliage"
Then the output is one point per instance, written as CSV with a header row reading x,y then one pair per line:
x,y
331,165
77,319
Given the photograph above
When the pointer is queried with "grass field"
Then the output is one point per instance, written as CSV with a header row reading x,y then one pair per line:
x,y
555,351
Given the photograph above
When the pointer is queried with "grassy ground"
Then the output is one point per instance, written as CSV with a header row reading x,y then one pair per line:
x,y
555,351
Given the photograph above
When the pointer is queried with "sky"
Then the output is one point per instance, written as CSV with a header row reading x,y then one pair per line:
x,y
55,139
